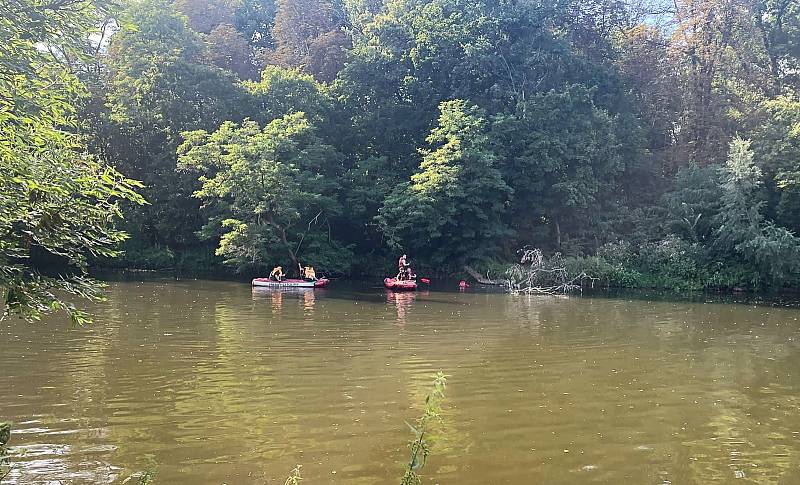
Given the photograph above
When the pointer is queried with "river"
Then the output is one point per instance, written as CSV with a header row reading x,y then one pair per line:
x,y
211,382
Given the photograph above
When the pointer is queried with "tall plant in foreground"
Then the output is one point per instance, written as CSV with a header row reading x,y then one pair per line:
x,y
5,435
420,447
56,201
294,478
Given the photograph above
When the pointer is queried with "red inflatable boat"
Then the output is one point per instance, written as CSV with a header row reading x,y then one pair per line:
x,y
400,285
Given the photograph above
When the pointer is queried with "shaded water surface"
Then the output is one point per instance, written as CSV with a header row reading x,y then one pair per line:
x,y
209,382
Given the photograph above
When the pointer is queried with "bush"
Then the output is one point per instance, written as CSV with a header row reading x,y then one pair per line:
x,y
670,263
604,272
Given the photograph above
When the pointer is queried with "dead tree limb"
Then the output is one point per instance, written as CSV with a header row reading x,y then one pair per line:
x,y
537,275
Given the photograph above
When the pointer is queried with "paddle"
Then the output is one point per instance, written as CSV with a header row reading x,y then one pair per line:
x,y
425,280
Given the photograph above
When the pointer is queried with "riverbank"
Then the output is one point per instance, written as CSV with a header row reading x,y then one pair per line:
x,y
669,264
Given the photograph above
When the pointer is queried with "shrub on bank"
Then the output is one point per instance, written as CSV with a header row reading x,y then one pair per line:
x,y
671,263
162,258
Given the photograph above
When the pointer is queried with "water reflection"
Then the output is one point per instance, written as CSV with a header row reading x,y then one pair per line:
x,y
306,297
402,301
218,384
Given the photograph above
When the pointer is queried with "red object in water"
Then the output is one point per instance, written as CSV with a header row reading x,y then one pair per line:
x,y
463,284
399,285
425,280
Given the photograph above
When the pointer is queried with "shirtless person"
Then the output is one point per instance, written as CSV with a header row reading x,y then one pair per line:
x,y
404,268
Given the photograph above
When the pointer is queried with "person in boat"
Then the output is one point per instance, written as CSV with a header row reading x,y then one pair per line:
x,y
404,268
277,273
307,272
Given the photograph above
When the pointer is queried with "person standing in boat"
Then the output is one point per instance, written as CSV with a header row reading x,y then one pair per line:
x,y
404,268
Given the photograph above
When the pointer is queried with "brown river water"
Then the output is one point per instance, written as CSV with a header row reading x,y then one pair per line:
x,y
211,382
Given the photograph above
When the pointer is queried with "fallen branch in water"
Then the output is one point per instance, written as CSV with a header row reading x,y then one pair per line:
x,y
537,275
480,278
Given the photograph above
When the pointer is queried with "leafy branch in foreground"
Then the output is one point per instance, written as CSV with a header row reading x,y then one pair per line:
x,y
147,478
144,477
420,447
294,478
5,435
57,202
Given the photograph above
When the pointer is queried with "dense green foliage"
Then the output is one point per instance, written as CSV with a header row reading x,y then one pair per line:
x,y
449,208
58,203
265,185
653,144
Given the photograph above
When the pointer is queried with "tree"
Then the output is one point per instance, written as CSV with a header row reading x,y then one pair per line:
x,y
647,69
157,86
308,34
591,25
228,49
254,19
271,189
776,143
235,31
451,210
415,54
778,22
772,251
281,91
722,68
57,202
694,203
561,155
205,15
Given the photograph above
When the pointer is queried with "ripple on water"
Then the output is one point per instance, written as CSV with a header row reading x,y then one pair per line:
x,y
211,383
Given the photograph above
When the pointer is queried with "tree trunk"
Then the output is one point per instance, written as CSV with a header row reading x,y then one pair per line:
x,y
484,280
295,263
282,234
558,232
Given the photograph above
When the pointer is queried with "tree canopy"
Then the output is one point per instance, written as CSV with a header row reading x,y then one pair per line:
x,y
341,132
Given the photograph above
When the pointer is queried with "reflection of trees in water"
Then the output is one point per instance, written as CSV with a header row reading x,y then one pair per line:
x,y
70,386
755,413
333,393
166,337
710,389
105,386
230,401
525,310
448,436
741,446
